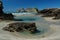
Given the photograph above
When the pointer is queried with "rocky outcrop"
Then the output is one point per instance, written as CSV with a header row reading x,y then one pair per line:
x,y
57,14
21,26
1,8
21,10
52,12
8,17
28,10
32,10
48,12
4,16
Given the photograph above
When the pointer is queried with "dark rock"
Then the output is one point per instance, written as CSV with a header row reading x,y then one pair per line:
x,y
57,16
1,8
19,26
4,16
8,16
48,12
51,12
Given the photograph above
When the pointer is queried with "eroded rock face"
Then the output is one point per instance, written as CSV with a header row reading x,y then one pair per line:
x,y
31,27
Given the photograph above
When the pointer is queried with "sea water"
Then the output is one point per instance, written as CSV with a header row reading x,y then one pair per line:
x,y
25,16
43,28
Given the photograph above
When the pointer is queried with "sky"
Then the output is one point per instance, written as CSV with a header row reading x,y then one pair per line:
x,y
13,5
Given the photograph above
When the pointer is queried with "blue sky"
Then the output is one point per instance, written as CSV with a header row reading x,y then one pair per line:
x,y
13,5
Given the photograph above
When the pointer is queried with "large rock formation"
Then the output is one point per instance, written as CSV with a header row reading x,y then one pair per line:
x,y
20,26
52,12
4,16
48,12
57,14
8,17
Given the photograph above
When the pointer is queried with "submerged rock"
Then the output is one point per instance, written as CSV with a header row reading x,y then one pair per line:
x,y
21,26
